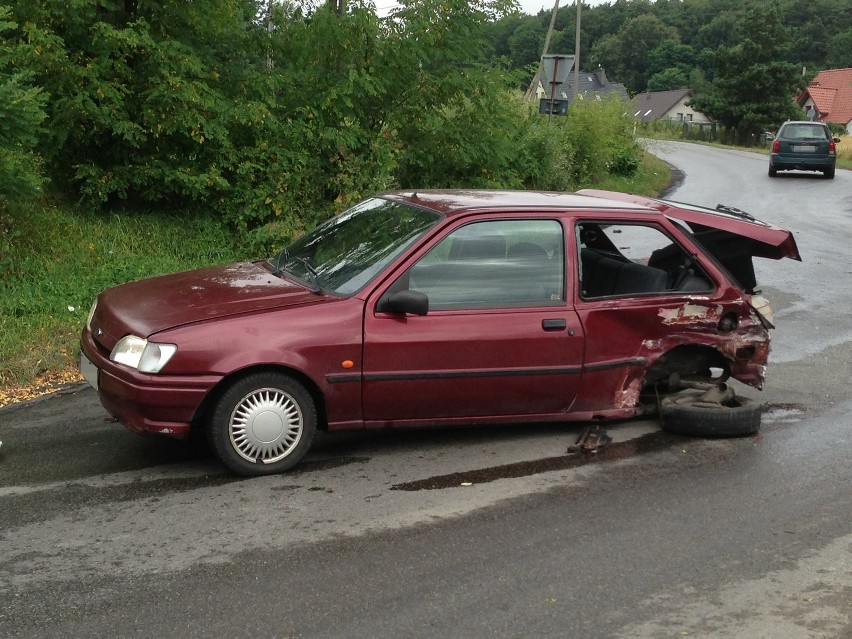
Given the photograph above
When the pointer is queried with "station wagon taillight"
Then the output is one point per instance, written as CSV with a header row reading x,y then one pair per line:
x,y
831,148
776,146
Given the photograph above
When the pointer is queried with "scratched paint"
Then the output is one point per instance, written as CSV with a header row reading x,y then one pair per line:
x,y
690,314
628,397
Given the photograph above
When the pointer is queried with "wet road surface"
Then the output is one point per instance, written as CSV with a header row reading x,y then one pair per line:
x,y
104,534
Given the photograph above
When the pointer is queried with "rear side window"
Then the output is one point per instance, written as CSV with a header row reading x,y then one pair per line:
x,y
618,259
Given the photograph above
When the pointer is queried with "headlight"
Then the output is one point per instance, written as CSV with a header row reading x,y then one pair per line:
x,y
145,356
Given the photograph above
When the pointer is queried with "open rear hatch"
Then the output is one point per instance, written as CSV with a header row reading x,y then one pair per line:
x,y
731,236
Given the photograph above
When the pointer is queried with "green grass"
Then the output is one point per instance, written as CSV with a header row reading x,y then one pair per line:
x,y
55,259
651,177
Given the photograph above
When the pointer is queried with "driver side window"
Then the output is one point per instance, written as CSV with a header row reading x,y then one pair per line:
x,y
497,264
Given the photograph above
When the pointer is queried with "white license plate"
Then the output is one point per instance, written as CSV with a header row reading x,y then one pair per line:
x,y
804,148
89,371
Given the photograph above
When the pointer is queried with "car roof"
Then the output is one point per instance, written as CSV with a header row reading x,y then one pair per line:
x,y
452,201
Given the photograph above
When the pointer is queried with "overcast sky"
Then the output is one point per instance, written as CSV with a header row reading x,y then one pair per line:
x,y
532,7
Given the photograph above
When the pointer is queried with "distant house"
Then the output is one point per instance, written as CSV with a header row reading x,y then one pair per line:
x,y
830,94
593,85
668,106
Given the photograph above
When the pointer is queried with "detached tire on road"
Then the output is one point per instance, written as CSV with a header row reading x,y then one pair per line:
x,y
686,414
263,424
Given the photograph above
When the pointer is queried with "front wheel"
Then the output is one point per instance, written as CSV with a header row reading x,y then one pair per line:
x,y
263,424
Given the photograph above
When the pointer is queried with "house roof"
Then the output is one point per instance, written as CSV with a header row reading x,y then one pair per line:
x,y
831,92
591,82
654,105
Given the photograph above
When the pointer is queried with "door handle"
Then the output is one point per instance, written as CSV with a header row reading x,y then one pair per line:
x,y
554,324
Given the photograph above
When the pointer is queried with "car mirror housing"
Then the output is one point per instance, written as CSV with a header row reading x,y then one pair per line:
x,y
404,302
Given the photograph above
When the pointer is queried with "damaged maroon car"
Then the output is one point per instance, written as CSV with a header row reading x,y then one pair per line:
x,y
447,308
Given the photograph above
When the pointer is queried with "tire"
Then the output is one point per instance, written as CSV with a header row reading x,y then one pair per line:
x,y
772,171
829,173
685,414
263,424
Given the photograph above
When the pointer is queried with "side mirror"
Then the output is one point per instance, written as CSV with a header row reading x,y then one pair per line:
x,y
837,140
404,302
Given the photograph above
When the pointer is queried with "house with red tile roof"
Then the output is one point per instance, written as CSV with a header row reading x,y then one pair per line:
x,y
830,95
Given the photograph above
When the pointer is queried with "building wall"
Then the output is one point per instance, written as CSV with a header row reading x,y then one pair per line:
x,y
682,113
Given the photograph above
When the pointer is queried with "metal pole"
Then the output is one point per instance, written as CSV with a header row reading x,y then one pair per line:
x,y
577,53
539,74
553,85
269,33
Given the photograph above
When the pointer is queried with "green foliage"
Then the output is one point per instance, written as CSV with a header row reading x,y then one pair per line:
x,y
752,86
61,258
21,114
669,66
626,55
601,141
839,50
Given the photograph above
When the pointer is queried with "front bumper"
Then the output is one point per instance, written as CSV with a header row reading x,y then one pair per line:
x,y
144,403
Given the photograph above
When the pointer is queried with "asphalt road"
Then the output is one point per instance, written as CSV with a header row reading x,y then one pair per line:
x,y
105,534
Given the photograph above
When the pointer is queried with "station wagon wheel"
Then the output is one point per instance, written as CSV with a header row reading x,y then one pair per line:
x,y
263,424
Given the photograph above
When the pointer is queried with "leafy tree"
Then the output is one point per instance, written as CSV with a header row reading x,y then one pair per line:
x,y
625,56
21,113
669,65
753,86
668,79
840,51
526,43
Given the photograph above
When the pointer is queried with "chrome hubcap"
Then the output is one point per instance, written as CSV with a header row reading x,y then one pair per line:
x,y
266,425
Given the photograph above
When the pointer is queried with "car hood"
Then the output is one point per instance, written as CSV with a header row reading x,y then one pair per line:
x,y
766,240
155,304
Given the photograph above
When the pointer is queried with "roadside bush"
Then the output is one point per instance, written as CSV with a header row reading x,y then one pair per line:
x,y
601,136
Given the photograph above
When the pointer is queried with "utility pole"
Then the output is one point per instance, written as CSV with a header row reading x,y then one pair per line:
x,y
577,53
269,63
534,84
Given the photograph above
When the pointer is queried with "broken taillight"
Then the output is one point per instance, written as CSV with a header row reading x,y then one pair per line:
x,y
764,310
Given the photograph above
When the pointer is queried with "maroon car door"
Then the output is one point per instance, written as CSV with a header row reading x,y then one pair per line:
x,y
499,339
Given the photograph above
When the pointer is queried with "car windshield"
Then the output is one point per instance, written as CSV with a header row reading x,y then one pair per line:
x,y
346,252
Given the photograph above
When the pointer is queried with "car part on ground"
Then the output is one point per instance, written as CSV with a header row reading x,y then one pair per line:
x,y
592,440
708,410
